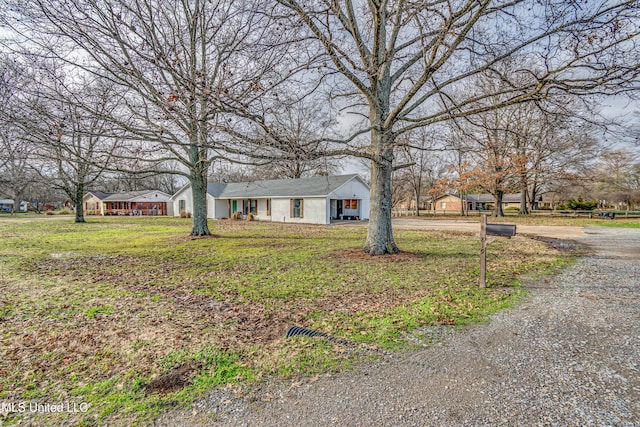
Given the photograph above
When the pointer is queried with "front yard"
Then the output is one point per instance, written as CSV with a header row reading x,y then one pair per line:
x,y
125,317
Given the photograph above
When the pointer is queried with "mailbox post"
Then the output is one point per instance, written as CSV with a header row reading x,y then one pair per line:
x,y
501,230
483,251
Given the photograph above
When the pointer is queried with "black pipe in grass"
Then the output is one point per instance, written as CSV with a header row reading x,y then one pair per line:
x,y
298,330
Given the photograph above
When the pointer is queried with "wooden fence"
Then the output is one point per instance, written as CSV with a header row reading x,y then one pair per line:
x,y
550,213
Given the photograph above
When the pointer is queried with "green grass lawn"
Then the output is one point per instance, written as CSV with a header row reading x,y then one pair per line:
x,y
131,316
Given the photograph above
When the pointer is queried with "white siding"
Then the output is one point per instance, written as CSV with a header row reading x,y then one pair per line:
x,y
364,208
313,211
353,189
186,195
217,208
262,210
154,197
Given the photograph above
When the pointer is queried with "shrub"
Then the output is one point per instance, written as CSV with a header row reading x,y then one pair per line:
x,y
185,214
250,217
512,208
49,213
579,204
64,212
236,216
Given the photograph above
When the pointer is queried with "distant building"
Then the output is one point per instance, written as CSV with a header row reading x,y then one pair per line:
x,y
134,203
473,202
92,202
7,204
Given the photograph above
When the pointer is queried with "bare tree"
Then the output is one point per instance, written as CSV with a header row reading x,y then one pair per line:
x,y
16,174
398,64
73,144
618,176
552,143
117,181
419,167
496,160
182,67
299,127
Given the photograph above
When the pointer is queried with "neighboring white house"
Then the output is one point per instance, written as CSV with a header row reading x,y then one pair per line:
x,y
7,204
315,200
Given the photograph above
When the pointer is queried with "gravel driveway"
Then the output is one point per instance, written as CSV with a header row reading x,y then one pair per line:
x,y
568,355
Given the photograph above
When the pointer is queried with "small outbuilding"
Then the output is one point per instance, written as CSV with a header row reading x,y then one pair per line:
x,y
6,205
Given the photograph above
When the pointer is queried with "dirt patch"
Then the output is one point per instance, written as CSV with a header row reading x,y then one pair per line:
x,y
175,379
558,244
188,238
245,322
358,255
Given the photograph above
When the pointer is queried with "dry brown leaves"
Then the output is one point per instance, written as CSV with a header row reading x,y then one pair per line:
x,y
358,255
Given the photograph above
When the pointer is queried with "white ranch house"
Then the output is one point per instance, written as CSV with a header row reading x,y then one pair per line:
x,y
316,200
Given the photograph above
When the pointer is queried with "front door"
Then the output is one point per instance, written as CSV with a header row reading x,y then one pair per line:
x,y
339,208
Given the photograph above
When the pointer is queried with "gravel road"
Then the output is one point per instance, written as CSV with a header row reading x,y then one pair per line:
x,y
567,355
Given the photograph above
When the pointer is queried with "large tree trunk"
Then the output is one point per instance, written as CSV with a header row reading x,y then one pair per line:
x,y
18,195
533,195
198,180
380,236
524,210
497,211
77,201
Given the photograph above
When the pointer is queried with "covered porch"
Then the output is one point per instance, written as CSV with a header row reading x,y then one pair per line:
x,y
346,209
135,208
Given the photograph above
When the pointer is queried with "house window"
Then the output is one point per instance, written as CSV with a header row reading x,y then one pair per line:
x,y
268,207
443,205
181,204
351,204
250,206
297,208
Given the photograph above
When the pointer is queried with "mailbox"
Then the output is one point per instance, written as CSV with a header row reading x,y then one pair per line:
x,y
502,230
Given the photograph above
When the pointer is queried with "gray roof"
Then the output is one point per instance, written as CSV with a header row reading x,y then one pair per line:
x,y
488,198
130,195
302,187
100,194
